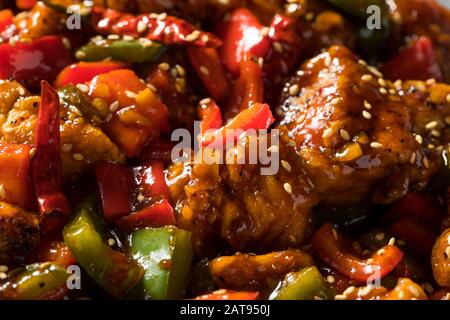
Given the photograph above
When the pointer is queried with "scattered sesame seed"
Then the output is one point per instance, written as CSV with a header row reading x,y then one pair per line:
x,y
367,77
431,125
365,291
130,94
345,135
331,279
204,70
2,192
447,252
301,118
391,241
287,187
340,297
113,37
66,43
162,16
151,87
114,106
435,133
376,145
111,242
294,90
430,81
382,82
413,158
392,91
381,252
277,46
80,55
366,114
205,101
335,234
128,38
318,298
419,139
447,120
309,16
383,91
21,91
425,162
66,147
181,70
265,31
141,26
32,152
327,133
109,117
349,290
414,291
367,105
3,276
3,268
398,83
286,165
83,88
192,36
164,66
78,156
362,62
448,98
335,101
375,71
379,236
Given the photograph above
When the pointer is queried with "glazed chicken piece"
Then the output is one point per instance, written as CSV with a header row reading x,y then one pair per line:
x,y
10,91
235,205
82,143
354,131
252,272
19,234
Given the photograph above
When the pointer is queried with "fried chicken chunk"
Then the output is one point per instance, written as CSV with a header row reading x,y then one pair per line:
x,y
235,204
19,234
82,143
354,131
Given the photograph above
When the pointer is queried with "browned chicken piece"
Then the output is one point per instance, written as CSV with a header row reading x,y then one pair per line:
x,y
426,18
235,204
19,234
440,259
354,131
82,143
10,91
258,273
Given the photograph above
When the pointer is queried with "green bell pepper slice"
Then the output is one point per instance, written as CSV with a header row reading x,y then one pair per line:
x,y
307,284
112,270
133,51
166,255
34,281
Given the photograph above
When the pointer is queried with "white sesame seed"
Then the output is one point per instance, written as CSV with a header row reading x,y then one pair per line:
x,y
2,192
419,139
109,117
318,298
3,276
344,134
286,165
375,71
448,239
447,252
327,133
128,38
367,105
265,31
66,147
382,82
335,234
151,87
66,43
21,91
383,91
398,83
414,291
80,55
204,70
141,26
366,114
83,88
391,241
425,162
3,268
287,187
340,297
365,291
448,98
362,62
32,152
430,82
111,242
376,145
435,133
331,279
130,94
162,16
413,158
294,90
379,236
192,37
381,252
113,37
78,156
349,290
164,66
431,125
367,77
277,46
114,106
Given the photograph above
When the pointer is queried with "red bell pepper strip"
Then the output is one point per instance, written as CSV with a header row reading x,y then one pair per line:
x,y
419,236
229,295
25,4
158,215
15,179
6,19
418,62
209,68
248,88
242,35
115,185
415,205
330,251
46,163
32,62
83,72
54,249
152,180
256,117
210,115
165,29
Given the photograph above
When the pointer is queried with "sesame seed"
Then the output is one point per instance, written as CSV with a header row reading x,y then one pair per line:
x,y
375,71
413,158
2,192
367,105
447,120
398,83
261,61
365,291
318,298
379,236
419,139
141,26
174,72
435,133
335,101
383,91
192,37
3,268
362,62
113,37
32,152
130,94
301,118
401,295
114,106
448,98
274,149
3,276
447,252
381,252
430,81
425,162
286,165
151,87
309,16
448,239
294,90
21,91
66,147
204,70
181,70
111,242
164,66
277,46
205,101
128,38
265,31
66,43
382,82
162,16
327,133
344,134
83,88
391,241
431,125
80,55
109,117
349,290
366,114
78,156
335,234
331,279
414,291
367,77
376,145
340,297
288,188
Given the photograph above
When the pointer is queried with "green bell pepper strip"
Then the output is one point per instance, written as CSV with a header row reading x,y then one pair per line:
x,y
166,255
111,269
35,282
307,284
134,51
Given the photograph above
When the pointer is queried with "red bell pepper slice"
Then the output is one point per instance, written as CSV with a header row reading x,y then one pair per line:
x,y
46,163
229,295
115,186
210,115
242,35
256,117
32,62
25,4
209,68
419,236
55,250
415,205
247,89
83,72
158,215
165,29
418,62
6,19
15,177
331,252
152,180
